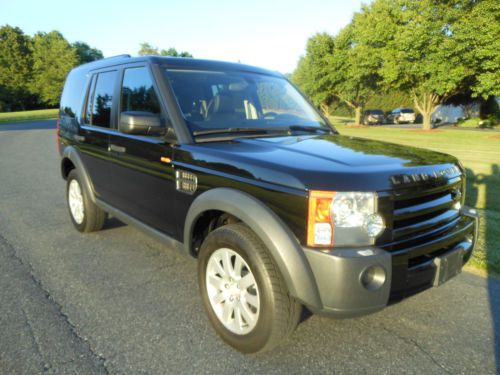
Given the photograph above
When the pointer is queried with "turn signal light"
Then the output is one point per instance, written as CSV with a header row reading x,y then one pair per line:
x,y
319,224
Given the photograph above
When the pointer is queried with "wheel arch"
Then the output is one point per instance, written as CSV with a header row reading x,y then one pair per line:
x,y
282,244
71,159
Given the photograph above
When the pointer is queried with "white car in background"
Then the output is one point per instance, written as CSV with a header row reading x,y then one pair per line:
x,y
401,116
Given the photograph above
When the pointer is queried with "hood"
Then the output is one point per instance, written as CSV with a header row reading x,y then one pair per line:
x,y
320,162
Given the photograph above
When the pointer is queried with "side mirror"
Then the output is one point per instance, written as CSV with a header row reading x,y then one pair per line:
x,y
141,123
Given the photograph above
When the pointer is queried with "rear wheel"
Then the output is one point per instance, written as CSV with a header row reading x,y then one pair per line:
x,y
84,213
243,292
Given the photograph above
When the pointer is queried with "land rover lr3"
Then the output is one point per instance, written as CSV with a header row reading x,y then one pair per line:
x,y
232,165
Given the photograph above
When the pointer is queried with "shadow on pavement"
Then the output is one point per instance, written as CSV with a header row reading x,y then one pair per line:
x,y
32,125
484,186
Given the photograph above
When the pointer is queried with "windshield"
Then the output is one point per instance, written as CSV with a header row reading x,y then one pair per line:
x,y
212,100
407,110
375,112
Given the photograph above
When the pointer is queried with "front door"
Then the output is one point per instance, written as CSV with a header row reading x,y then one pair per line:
x,y
141,170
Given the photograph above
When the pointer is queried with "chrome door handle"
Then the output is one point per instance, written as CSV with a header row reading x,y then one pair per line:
x,y
116,148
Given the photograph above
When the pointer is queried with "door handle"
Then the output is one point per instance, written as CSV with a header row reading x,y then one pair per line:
x,y
116,148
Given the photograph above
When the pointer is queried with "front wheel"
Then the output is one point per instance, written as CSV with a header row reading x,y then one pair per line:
x,y
243,291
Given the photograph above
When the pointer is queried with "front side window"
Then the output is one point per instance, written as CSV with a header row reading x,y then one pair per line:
x,y
138,94
212,100
101,99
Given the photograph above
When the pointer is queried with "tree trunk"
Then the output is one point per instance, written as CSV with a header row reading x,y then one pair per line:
x,y
357,115
427,120
325,109
426,104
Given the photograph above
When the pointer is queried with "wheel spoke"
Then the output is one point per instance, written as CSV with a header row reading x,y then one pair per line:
x,y
247,314
219,268
216,281
238,266
226,263
246,281
252,300
227,312
238,317
218,298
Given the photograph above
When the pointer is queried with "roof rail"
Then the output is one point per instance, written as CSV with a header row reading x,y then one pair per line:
x,y
117,56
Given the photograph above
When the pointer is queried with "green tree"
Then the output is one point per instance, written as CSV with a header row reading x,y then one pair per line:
x,y
15,68
477,34
337,69
352,71
311,74
53,58
427,47
148,49
85,53
389,100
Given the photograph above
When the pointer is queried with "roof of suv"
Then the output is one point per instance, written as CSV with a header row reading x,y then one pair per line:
x,y
177,63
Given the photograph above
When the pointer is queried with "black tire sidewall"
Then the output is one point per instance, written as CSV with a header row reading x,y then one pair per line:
x,y
259,336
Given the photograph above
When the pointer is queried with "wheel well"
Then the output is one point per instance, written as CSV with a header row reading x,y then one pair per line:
x,y
66,167
207,222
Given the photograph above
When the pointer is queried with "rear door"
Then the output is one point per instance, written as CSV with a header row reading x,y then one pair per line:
x,y
142,172
97,123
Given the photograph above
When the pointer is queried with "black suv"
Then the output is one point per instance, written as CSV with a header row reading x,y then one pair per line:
x,y
233,166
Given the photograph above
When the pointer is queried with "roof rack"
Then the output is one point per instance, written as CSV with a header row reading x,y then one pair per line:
x,y
116,57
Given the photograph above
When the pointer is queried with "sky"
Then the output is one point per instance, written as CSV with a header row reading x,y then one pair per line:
x,y
269,34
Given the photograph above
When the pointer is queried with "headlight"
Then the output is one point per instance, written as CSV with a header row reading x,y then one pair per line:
x,y
343,219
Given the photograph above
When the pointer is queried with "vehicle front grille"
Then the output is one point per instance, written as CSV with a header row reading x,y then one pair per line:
x,y
421,215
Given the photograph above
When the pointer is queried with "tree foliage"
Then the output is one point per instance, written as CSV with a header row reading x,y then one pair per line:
x,y
33,69
353,71
15,68
53,58
337,69
311,74
85,53
426,49
148,49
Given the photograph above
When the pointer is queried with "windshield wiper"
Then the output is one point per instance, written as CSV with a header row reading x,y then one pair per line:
x,y
308,128
240,130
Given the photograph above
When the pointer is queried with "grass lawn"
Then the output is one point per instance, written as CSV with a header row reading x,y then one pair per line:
x,y
480,154
39,114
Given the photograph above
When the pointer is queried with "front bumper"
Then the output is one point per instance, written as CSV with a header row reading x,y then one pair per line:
x,y
339,272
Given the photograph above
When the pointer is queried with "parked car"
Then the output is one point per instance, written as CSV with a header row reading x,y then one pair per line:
x,y
232,166
373,117
401,116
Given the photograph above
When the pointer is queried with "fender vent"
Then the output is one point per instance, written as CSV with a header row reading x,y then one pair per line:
x,y
186,182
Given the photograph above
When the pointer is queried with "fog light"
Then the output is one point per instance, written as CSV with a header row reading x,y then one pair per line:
x,y
373,277
374,225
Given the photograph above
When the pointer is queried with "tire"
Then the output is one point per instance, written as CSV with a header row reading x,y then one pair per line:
x,y
260,313
85,215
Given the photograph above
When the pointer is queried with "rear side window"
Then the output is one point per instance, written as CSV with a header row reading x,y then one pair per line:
x,y
138,94
100,99
71,99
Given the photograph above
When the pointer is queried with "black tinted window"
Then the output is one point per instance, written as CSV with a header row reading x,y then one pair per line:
x,y
138,93
101,99
407,110
71,99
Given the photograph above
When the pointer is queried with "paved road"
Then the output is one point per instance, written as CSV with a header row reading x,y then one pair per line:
x,y
119,302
